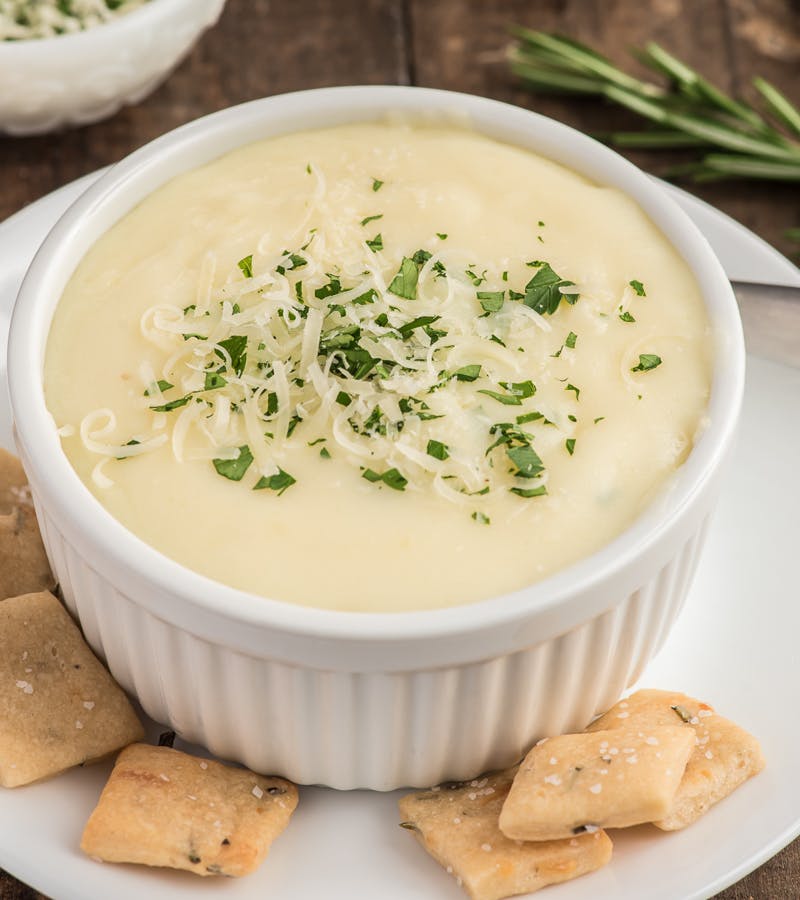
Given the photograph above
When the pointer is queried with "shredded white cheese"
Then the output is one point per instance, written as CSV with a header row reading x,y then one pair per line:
x,y
22,20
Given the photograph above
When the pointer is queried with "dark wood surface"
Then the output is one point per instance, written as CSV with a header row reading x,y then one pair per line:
x,y
261,47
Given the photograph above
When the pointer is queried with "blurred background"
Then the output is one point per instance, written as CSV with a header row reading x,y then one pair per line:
x,y
263,47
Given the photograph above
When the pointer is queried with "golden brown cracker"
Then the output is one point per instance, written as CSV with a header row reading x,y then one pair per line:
x,y
458,825
59,707
23,563
606,779
162,807
724,755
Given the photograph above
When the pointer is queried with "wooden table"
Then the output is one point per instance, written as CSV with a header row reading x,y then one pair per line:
x,y
262,47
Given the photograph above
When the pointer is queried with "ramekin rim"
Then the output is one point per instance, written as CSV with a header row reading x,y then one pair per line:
x,y
566,585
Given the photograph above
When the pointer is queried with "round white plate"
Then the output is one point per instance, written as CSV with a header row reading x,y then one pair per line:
x,y
734,646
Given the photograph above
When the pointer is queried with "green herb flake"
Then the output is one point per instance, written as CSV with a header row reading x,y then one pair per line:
x,y
527,461
477,280
162,386
491,301
481,518
441,236
530,492
626,316
599,419
543,293
334,286
343,398
571,340
438,450
173,404
308,168
236,348
246,265
404,283
325,453
522,389
369,296
391,478
234,469
377,184
507,399
638,287
376,243
213,381
279,482
369,219
407,329
529,417
576,391
647,361
570,445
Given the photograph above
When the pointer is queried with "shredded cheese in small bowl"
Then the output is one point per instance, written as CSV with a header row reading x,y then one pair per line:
x,y
22,20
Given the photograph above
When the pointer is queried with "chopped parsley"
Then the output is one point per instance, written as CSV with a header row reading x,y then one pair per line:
x,y
377,184
234,469
236,347
376,243
162,386
438,450
279,482
404,283
626,316
647,361
391,478
570,445
481,518
441,236
638,287
576,391
491,301
369,219
543,293
246,265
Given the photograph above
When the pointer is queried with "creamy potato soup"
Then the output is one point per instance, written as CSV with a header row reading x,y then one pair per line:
x,y
379,367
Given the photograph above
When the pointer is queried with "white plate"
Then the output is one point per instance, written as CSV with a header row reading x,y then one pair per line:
x,y
734,645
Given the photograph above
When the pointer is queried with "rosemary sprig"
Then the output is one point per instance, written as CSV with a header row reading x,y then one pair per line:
x,y
687,111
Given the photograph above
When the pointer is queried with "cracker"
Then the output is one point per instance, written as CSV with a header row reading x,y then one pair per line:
x,y
607,779
724,755
59,707
162,807
23,562
457,825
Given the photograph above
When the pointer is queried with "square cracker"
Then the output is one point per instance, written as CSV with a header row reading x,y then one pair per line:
x,y
607,779
23,563
59,707
162,807
724,754
457,824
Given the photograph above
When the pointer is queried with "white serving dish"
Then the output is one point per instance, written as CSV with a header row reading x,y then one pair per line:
x,y
355,699
79,78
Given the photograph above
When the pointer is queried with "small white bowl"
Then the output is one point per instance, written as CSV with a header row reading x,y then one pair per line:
x,y
79,78
358,699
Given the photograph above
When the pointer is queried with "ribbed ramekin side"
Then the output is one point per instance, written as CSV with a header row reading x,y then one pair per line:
x,y
370,730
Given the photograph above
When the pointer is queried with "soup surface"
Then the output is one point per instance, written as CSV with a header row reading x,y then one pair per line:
x,y
379,367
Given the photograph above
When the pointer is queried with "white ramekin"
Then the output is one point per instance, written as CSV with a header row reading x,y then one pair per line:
x,y
356,699
79,78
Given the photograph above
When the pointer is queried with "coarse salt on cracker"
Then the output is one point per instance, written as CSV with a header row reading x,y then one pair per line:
x,y
59,707
162,807
723,757
607,779
458,825
23,563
